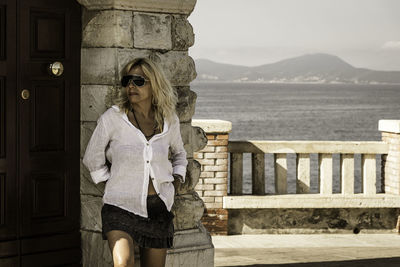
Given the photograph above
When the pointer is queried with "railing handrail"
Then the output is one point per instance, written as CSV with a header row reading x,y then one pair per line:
x,y
328,147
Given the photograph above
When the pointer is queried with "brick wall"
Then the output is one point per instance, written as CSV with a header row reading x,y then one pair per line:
x,y
213,182
391,162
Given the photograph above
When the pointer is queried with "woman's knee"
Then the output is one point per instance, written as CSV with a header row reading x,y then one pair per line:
x,y
124,262
122,248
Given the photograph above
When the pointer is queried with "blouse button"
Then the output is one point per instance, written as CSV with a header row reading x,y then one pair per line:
x,y
147,161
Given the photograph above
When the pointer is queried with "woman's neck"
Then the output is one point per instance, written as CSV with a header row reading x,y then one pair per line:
x,y
143,109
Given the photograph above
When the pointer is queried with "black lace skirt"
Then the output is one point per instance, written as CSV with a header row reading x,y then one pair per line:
x,y
157,231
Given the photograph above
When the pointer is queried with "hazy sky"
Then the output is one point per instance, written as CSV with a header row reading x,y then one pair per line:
x,y
365,33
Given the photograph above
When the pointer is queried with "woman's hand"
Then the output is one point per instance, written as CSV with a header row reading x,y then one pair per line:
x,y
176,182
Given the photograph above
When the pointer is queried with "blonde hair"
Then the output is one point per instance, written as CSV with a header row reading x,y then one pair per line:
x,y
164,97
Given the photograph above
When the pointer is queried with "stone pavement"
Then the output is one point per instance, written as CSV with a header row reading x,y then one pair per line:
x,y
311,250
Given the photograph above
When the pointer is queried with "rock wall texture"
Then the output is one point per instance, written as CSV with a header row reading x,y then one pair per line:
x,y
309,221
113,33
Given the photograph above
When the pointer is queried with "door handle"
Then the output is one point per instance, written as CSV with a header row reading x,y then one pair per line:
x,y
25,94
56,68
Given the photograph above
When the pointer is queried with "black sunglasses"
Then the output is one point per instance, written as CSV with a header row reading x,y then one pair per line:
x,y
136,80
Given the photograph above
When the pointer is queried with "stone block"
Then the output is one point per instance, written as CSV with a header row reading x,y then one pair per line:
x,y
98,65
87,186
186,103
192,177
87,129
207,174
197,155
214,193
221,187
218,199
126,55
187,136
213,205
211,136
214,181
208,168
165,6
192,247
310,220
199,140
177,65
222,142
93,101
95,250
208,199
220,155
188,209
221,149
152,31
221,175
182,33
204,187
222,136
208,149
107,28
91,213
221,162
206,161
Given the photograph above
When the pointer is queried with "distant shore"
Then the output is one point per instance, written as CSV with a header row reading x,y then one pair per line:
x,y
286,82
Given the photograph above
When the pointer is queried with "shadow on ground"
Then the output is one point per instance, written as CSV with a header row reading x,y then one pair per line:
x,y
378,262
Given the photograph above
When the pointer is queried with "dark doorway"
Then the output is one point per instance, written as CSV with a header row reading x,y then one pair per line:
x,y
39,132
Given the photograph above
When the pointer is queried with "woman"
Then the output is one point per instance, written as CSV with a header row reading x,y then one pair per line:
x,y
135,136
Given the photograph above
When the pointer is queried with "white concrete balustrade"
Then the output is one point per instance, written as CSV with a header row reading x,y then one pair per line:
x,y
347,150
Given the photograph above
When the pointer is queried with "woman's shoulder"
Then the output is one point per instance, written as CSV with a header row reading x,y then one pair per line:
x,y
111,113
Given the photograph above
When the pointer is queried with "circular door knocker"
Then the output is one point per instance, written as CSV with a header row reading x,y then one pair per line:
x,y
25,94
56,69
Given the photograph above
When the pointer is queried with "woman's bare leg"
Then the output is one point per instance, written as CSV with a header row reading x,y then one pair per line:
x,y
122,248
152,257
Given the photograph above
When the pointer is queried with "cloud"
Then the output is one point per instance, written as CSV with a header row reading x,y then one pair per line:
x,y
391,45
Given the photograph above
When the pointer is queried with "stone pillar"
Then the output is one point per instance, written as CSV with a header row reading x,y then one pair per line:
x,y
213,183
391,162
113,33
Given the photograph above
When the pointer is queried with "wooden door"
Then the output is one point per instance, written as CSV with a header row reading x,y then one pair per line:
x,y
42,134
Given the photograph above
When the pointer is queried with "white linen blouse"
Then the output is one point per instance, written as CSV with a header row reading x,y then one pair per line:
x,y
134,160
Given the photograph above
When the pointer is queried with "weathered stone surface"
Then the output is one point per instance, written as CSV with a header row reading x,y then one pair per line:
x,y
192,177
98,65
152,31
91,213
88,187
108,28
126,55
199,139
186,103
177,65
182,33
93,101
265,221
95,250
87,129
192,247
165,6
188,210
187,136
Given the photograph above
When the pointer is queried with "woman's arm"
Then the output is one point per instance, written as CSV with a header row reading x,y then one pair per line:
x,y
179,161
94,158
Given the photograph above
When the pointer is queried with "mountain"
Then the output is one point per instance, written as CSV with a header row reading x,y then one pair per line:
x,y
310,68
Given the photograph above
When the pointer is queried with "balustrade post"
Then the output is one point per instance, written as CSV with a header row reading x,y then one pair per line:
x,y
213,181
